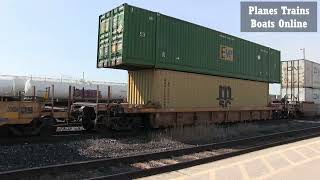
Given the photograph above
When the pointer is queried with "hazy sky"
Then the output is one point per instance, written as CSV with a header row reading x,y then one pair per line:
x,y
59,37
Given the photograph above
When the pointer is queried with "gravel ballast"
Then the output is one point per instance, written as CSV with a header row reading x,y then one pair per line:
x,y
33,155
19,156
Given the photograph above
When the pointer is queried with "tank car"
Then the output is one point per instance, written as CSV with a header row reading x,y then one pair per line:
x,y
81,90
11,85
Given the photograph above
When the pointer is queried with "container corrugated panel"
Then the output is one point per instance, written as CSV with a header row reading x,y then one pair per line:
x,y
300,73
184,46
126,37
140,87
153,40
309,109
174,89
301,94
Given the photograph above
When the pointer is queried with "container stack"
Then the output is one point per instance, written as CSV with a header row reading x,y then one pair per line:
x,y
176,64
300,81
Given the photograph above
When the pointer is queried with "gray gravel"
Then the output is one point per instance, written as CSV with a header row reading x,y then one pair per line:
x,y
33,155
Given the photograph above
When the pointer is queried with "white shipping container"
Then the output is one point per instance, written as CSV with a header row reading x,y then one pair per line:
x,y
300,73
316,75
301,94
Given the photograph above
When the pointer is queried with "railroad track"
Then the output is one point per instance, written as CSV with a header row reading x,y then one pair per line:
x,y
154,163
56,137
79,134
65,136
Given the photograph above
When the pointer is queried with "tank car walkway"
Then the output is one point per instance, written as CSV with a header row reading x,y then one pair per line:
x,y
300,160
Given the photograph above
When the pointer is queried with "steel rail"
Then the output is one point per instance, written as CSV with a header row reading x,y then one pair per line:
x,y
182,165
62,136
75,166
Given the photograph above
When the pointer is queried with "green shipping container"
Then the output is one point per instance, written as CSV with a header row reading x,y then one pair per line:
x,y
132,38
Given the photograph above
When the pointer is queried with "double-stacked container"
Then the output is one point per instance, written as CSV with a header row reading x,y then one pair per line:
x,y
300,81
174,63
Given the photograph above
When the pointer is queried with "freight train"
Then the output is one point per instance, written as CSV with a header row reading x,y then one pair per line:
x,y
12,86
179,74
33,105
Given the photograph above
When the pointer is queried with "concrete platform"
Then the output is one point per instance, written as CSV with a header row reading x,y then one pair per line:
x,y
297,161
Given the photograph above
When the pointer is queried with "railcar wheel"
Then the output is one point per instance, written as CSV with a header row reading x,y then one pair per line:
x,y
87,124
276,115
47,126
88,117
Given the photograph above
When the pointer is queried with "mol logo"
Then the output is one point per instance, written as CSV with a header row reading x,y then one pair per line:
x,y
226,53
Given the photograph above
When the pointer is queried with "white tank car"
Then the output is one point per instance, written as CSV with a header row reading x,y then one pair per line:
x,y
84,90
11,85
6,86
19,84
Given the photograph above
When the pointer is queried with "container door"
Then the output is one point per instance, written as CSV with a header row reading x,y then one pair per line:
x,y
116,37
111,28
103,40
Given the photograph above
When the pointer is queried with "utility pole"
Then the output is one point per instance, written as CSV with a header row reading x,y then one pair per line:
x,y
304,53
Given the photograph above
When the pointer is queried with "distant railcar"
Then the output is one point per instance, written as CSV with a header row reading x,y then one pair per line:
x,y
82,90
